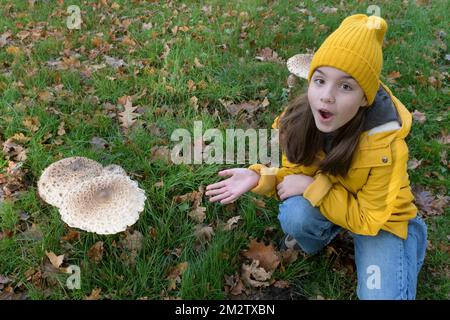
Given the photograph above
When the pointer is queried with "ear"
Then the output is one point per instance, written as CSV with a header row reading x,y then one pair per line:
x,y
364,102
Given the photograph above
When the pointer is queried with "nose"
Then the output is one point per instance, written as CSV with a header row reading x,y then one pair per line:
x,y
327,95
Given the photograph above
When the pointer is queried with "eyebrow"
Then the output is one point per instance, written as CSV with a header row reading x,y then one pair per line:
x,y
343,77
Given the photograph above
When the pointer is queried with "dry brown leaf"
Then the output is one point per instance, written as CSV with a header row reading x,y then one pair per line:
x,y
95,253
128,117
289,256
282,284
71,235
61,130
428,203
255,276
160,153
249,106
234,285
393,76
198,214
175,274
13,50
131,244
95,294
414,164
266,255
419,116
32,123
198,64
231,223
55,260
14,151
203,233
268,54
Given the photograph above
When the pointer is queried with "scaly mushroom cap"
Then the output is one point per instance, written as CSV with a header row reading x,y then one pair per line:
x,y
105,204
299,65
62,176
114,169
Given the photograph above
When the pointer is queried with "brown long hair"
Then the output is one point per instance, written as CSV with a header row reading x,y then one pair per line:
x,y
300,140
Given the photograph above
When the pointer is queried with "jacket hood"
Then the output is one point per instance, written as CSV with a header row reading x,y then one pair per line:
x,y
387,120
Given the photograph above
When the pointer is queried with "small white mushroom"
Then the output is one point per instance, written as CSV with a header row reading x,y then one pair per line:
x,y
114,169
62,176
299,65
105,204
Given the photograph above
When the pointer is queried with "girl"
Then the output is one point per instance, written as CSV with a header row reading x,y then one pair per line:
x,y
344,165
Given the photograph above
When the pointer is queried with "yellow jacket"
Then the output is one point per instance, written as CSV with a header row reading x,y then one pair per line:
x,y
374,195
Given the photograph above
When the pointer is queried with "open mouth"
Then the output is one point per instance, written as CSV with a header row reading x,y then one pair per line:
x,y
325,114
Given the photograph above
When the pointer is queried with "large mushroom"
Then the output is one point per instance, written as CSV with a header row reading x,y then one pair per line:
x,y
114,169
105,204
64,175
299,65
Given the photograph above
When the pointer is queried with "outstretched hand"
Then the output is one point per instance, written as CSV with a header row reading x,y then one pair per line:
x,y
240,181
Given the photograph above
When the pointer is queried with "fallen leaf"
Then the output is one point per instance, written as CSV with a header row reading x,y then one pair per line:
x,y
428,203
71,235
55,260
132,245
331,10
115,62
175,274
198,214
282,284
268,54
203,233
99,143
234,285
198,64
414,164
231,223
419,116
14,151
266,255
160,153
13,50
95,294
61,130
128,117
32,123
289,256
255,276
393,76
95,253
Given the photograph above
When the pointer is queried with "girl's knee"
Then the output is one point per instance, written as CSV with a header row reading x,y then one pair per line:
x,y
297,215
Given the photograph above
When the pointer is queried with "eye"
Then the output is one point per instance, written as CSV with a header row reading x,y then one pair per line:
x,y
346,87
319,81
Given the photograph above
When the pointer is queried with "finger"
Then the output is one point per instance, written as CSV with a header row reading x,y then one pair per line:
x,y
228,200
216,185
282,196
220,196
280,185
225,173
215,191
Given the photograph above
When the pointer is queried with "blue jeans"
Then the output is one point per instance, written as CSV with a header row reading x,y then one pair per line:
x,y
387,266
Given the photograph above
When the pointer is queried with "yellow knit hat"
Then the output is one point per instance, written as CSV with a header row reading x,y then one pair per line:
x,y
355,48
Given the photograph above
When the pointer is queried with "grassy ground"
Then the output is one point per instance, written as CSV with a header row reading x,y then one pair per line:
x,y
225,37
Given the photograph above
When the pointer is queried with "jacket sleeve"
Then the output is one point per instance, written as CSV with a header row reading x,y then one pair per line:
x,y
367,211
270,177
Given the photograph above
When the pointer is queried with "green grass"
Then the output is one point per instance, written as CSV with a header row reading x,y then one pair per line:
x,y
412,44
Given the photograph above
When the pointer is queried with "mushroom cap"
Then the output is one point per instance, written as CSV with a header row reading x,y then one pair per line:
x,y
114,169
299,64
105,204
62,176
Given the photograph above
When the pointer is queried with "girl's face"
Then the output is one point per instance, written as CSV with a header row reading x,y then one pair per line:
x,y
335,97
